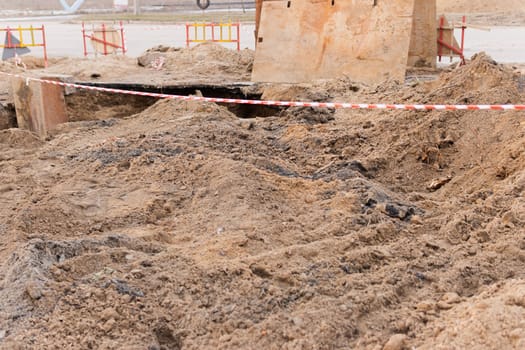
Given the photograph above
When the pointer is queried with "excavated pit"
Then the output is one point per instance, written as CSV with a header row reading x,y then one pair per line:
x,y
180,225
120,105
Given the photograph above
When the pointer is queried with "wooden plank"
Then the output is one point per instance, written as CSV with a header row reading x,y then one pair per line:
x,y
301,41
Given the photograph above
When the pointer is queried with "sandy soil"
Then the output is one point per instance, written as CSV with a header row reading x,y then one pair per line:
x,y
145,224
480,6
178,225
485,12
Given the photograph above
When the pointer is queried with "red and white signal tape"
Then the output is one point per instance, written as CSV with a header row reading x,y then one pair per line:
x,y
335,105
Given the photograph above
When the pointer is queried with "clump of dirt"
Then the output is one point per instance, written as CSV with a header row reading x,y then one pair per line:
x,y
183,226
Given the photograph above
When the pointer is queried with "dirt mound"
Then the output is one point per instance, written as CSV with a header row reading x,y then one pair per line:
x,y
209,61
184,226
206,63
493,319
482,81
13,138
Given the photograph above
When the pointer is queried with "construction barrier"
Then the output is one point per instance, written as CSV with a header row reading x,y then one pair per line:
x,y
447,44
213,32
105,39
334,105
17,38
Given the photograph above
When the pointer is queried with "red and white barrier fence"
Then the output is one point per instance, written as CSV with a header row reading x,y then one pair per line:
x,y
105,39
22,38
333,105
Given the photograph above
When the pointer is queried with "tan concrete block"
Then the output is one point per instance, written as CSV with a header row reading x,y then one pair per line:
x,y
300,41
40,107
423,42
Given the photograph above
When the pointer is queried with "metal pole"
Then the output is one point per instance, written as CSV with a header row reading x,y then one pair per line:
x,y
463,27
104,39
84,39
122,35
137,8
44,43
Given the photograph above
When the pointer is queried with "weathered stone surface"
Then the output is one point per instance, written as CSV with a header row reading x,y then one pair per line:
x,y
301,41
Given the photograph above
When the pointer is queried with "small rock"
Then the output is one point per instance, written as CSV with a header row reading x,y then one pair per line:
x,y
436,184
396,342
34,290
122,287
472,251
108,326
137,273
443,306
109,313
396,210
482,236
425,306
246,124
2,334
508,219
451,298
416,219
260,271
297,321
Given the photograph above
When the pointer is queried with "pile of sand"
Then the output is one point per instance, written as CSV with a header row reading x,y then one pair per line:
x,y
207,63
181,225
480,6
492,320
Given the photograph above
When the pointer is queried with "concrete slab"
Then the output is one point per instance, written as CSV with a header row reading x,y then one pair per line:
x,y
40,107
301,41
423,48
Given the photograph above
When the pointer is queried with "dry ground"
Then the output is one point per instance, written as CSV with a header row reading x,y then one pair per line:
x,y
148,224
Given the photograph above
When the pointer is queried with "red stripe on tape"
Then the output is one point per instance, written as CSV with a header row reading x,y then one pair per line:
x,y
338,105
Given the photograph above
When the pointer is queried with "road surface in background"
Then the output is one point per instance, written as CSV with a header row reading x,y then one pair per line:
x,y
504,44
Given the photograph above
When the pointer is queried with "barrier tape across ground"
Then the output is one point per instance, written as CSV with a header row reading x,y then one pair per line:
x,y
335,105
